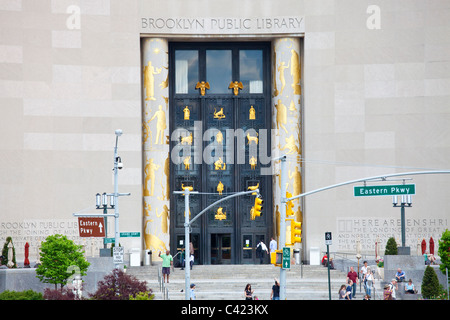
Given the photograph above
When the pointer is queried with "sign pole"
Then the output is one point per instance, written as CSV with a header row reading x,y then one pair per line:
x,y
116,196
187,253
282,242
328,242
328,262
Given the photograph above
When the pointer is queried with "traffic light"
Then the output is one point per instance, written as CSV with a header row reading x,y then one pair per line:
x,y
296,231
257,208
276,258
289,205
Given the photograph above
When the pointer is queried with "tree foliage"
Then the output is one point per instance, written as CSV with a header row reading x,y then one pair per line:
x,y
444,251
391,247
430,283
60,259
120,286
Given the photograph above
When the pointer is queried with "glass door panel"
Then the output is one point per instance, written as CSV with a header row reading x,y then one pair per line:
x,y
186,71
251,70
218,71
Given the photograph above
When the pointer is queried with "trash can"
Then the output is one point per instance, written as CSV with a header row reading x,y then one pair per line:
x,y
135,257
148,257
297,256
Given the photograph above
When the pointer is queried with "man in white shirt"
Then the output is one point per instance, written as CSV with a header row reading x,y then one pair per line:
x,y
260,248
273,245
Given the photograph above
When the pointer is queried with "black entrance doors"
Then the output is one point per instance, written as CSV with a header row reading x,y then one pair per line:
x,y
220,124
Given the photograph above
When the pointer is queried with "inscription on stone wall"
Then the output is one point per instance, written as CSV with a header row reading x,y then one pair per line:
x,y
371,229
34,231
222,25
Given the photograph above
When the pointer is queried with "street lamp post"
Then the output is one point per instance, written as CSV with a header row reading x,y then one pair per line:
x,y
101,203
405,202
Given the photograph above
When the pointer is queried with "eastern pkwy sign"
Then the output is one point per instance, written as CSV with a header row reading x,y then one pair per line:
x,y
390,190
91,227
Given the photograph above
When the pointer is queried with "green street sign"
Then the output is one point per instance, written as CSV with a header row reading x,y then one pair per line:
x,y
391,190
123,235
130,234
286,258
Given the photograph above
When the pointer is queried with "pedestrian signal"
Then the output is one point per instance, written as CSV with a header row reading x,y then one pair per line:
x,y
276,258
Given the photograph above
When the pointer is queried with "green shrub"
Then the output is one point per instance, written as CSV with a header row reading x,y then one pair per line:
x,y
430,283
391,247
21,295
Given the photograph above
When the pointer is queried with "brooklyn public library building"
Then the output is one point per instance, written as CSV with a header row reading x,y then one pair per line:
x,y
206,93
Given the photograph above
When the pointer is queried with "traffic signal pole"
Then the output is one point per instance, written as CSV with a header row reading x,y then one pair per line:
x,y
282,242
187,224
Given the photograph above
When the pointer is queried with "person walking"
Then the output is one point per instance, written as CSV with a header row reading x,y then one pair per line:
x,y
192,291
260,249
353,275
166,264
393,286
369,279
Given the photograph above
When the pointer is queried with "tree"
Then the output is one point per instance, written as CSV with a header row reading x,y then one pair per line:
x,y
391,247
430,283
121,286
60,259
444,251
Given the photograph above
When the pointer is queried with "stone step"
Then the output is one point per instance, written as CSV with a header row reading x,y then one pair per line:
x,y
227,282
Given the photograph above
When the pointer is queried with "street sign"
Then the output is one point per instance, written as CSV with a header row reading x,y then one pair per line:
x,y
286,258
130,234
390,190
118,255
91,227
328,239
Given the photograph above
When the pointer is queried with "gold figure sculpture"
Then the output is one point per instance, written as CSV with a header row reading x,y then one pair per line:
x,y
251,113
220,215
149,172
149,80
187,139
220,165
164,215
252,139
161,124
253,188
202,86
190,188
219,137
219,114
187,162
253,162
297,181
236,85
152,242
295,72
291,145
281,69
187,113
220,187
274,80
281,115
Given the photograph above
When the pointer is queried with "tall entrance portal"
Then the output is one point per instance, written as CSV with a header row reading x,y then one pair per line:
x,y
219,102
214,113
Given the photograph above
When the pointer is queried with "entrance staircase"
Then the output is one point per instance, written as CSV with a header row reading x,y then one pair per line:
x,y
227,282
